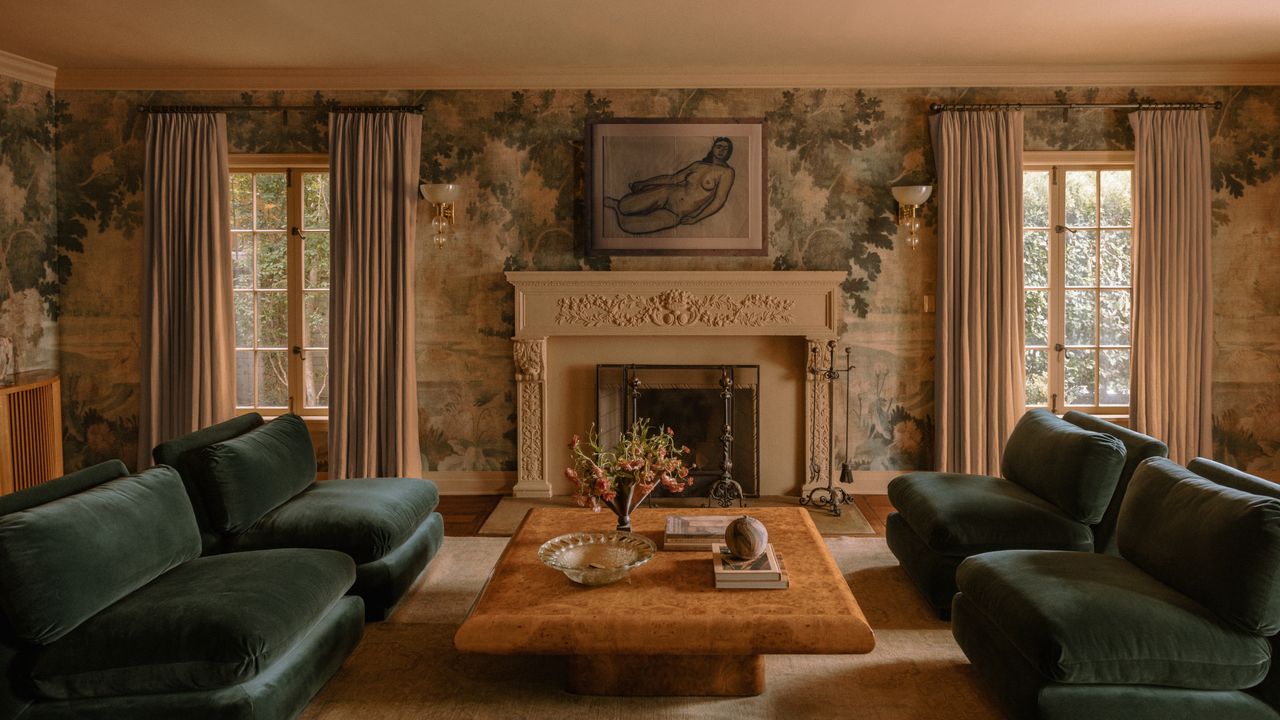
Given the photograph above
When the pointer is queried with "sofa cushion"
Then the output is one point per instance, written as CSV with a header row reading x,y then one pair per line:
x,y
65,561
213,622
1073,468
1227,476
365,518
184,455
248,476
1213,543
960,515
1084,618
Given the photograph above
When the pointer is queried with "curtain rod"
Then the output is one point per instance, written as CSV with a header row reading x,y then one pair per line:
x,y
939,107
333,107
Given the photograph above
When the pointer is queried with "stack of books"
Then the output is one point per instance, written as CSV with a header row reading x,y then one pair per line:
x,y
695,532
764,573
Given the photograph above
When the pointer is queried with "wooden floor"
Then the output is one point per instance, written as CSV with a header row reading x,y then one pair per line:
x,y
465,514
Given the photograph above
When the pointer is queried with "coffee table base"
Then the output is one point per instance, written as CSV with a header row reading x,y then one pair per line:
x,y
667,675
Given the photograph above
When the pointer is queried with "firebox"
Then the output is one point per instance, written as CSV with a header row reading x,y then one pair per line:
x,y
713,409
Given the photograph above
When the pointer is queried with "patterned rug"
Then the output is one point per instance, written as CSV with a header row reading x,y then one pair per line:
x,y
505,518
406,668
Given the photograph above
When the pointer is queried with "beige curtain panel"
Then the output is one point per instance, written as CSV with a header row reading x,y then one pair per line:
x,y
1172,281
979,390
373,409
188,335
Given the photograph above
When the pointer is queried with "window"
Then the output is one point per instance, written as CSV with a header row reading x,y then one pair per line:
x,y
280,272
1078,247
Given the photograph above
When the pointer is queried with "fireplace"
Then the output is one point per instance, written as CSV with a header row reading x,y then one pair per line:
x,y
713,409
568,324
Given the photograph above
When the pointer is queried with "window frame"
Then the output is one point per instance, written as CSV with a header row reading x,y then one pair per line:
x,y
294,166
1057,163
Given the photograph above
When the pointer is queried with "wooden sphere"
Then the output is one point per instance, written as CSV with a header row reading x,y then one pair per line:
x,y
746,538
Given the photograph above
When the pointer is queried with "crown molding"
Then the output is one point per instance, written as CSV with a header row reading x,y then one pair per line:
x,y
608,78
26,70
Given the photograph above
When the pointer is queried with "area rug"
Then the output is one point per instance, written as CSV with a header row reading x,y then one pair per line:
x,y
406,668
505,518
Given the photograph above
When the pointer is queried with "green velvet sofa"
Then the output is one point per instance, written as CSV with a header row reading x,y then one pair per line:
x,y
109,611
1181,624
253,486
1060,481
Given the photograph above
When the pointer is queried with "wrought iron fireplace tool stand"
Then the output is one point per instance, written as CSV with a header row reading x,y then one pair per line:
x,y
830,496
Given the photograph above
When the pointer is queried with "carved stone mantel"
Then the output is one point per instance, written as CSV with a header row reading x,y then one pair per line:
x,y
650,303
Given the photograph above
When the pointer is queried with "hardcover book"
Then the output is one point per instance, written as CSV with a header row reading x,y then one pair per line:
x,y
729,568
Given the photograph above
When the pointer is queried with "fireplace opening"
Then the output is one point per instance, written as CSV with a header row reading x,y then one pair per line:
x,y
713,409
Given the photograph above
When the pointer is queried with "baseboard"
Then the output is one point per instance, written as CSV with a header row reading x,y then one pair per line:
x,y
463,482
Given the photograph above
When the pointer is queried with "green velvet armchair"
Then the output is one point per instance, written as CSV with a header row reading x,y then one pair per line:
x,y
1063,478
253,486
1181,624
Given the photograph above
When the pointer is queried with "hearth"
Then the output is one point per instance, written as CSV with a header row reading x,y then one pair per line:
x,y
713,409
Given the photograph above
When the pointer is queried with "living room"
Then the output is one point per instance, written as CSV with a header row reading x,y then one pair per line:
x,y
834,247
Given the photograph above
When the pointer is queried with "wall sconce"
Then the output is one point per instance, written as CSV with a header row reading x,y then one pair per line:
x,y
442,197
910,198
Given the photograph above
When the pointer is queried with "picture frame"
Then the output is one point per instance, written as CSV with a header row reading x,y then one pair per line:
x,y
677,186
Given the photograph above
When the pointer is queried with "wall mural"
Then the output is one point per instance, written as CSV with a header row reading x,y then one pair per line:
x,y
31,266
833,156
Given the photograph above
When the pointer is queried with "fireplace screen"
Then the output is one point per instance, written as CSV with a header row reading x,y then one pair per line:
x,y
713,409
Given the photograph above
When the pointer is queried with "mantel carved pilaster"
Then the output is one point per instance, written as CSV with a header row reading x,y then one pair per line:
x,y
531,418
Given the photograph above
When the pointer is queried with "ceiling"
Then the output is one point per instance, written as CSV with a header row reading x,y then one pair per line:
x,y
477,43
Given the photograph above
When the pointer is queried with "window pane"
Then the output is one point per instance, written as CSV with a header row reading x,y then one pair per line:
x,y
1114,375
1037,377
1081,318
1082,258
1035,199
244,378
273,378
242,260
271,201
1117,258
1117,203
1115,317
241,201
273,319
1082,198
316,378
315,259
315,201
1037,317
1035,259
243,301
315,319
1078,383
272,259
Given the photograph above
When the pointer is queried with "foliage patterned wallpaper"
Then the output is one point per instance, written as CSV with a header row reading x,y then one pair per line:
x,y
30,267
833,155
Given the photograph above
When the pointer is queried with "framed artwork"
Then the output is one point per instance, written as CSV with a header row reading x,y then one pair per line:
x,y
676,187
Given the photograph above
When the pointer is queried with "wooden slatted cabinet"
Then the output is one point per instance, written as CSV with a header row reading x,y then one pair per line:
x,y
30,430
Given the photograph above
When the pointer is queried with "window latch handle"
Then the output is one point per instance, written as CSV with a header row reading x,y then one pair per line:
x,y
1058,347
298,351
1054,407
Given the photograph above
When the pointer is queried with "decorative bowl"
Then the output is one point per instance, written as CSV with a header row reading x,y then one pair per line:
x,y
597,558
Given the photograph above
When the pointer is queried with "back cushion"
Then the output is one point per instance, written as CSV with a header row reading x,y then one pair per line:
x,y
63,562
249,476
1228,476
1214,544
1073,468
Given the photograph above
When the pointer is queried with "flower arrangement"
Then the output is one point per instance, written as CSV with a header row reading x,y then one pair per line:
x,y
622,477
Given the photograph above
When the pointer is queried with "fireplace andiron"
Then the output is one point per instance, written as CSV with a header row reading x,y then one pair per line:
x,y
831,496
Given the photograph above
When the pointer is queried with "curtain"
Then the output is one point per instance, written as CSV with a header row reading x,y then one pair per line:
x,y
373,409
978,364
1172,281
188,335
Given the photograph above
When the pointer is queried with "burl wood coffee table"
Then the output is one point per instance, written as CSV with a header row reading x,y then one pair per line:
x,y
665,630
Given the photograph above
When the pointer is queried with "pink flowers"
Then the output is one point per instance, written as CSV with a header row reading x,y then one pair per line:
x,y
639,459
